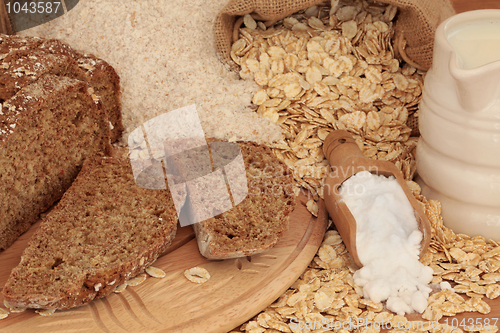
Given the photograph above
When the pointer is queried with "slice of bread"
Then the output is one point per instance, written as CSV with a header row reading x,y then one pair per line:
x,y
256,223
104,230
47,129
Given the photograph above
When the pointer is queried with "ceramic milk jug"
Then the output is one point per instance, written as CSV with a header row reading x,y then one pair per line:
x,y
458,154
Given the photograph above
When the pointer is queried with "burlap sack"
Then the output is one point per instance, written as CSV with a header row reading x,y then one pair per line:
x,y
416,23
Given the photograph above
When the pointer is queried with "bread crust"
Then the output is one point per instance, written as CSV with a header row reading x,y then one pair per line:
x,y
107,280
206,245
26,59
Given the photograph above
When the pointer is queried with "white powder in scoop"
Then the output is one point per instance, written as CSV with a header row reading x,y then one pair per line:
x,y
388,243
164,53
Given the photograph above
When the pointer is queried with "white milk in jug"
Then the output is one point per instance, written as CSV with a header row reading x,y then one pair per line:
x,y
476,44
458,154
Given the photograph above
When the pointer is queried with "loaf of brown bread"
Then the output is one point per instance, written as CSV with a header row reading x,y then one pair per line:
x,y
25,59
256,223
47,129
105,230
40,153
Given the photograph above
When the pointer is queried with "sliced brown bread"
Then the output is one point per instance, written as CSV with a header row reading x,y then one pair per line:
x,y
47,129
26,59
256,223
104,230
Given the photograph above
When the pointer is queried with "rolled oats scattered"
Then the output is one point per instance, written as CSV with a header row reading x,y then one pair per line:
x,y
4,313
332,237
136,281
461,288
46,312
197,275
155,272
480,305
120,288
450,309
371,306
493,291
312,207
383,317
432,313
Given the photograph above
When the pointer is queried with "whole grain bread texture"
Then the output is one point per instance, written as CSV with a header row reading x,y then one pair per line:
x,y
257,219
47,129
105,230
40,153
26,59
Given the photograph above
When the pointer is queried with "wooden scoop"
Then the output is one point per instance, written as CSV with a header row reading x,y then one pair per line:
x,y
346,159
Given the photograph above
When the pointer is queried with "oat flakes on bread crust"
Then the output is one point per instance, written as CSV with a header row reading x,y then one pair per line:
x,y
25,59
104,231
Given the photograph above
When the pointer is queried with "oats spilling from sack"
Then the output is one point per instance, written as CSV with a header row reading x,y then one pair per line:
x,y
331,68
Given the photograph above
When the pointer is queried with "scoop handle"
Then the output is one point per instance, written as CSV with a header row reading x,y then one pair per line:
x,y
339,145
346,159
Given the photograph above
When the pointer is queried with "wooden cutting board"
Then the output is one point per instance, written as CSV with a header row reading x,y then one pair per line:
x,y
237,290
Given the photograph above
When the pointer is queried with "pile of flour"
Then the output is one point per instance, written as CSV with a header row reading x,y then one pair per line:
x,y
388,243
165,56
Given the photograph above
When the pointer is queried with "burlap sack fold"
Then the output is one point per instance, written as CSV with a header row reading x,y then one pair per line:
x,y
415,28
266,9
416,23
